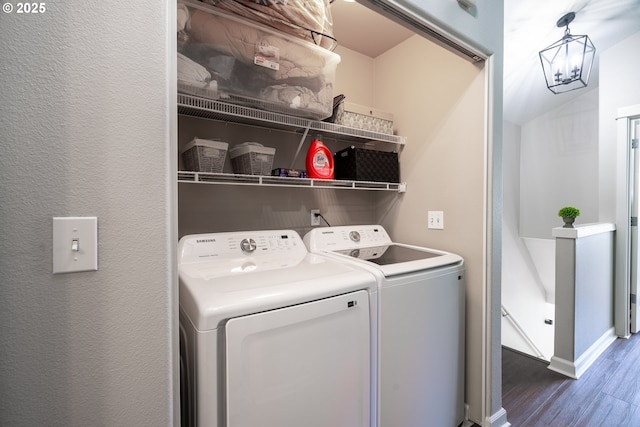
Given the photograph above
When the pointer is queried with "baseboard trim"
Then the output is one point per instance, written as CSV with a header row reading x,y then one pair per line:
x,y
498,419
574,369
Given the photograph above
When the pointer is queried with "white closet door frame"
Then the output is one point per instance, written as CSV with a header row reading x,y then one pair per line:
x,y
627,313
633,130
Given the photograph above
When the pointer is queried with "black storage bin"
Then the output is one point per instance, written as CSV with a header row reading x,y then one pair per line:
x,y
359,164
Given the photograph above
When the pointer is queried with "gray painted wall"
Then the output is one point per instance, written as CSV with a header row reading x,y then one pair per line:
x,y
584,289
85,113
594,289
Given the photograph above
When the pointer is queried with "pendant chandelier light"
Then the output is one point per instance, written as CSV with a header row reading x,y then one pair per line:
x,y
567,63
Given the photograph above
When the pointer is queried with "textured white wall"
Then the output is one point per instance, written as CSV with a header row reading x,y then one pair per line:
x,y
559,166
87,129
355,77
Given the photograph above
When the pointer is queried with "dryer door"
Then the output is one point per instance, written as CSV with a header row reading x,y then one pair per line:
x,y
304,365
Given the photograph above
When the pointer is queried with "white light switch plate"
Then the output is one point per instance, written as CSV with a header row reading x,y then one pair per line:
x,y
435,220
75,244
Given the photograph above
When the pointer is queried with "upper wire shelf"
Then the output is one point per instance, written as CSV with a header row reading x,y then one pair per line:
x,y
190,105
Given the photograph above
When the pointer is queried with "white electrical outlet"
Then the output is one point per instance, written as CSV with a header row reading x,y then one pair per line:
x,y
315,217
435,220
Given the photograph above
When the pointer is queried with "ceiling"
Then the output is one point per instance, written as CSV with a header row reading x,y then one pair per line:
x,y
530,26
361,29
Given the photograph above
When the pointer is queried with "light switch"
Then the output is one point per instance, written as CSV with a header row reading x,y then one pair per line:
x,y
435,220
75,244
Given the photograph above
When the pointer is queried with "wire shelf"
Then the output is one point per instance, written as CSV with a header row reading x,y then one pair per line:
x,y
190,105
277,181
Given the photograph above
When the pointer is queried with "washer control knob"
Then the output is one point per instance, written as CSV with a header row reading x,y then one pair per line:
x,y
248,245
354,236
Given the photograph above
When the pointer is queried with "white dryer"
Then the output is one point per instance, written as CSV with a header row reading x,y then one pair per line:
x,y
421,323
272,335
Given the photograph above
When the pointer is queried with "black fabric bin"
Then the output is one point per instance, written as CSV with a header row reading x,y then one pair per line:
x,y
359,164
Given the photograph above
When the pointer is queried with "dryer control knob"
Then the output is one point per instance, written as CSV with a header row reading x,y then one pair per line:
x,y
355,236
248,245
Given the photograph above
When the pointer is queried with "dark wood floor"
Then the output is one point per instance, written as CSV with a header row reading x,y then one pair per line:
x,y
606,395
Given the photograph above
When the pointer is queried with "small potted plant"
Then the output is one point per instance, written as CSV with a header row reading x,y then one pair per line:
x,y
568,215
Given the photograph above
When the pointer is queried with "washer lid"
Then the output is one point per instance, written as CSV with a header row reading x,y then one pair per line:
x,y
390,254
370,245
398,258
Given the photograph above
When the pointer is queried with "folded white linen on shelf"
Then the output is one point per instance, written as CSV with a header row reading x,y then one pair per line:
x,y
191,72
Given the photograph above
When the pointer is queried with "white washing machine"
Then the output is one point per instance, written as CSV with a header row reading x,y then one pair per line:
x,y
421,323
272,335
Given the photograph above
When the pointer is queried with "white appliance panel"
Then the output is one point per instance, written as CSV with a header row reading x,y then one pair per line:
x,y
287,367
421,349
